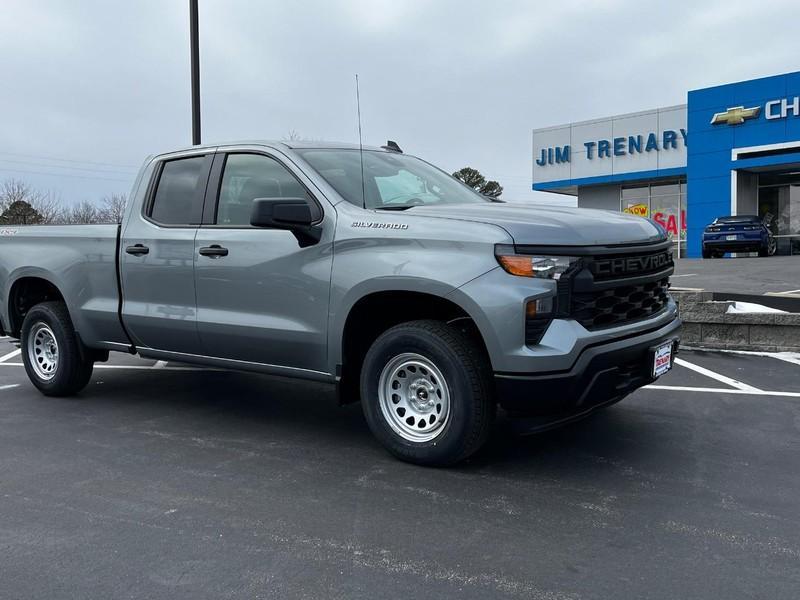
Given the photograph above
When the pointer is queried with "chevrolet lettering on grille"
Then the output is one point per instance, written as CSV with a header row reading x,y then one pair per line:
x,y
626,265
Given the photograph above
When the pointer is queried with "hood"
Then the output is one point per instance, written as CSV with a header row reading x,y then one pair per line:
x,y
551,225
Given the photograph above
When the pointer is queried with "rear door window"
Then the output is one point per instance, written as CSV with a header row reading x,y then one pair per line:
x,y
178,199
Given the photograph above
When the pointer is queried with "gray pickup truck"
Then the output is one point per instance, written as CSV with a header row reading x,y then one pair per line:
x,y
370,270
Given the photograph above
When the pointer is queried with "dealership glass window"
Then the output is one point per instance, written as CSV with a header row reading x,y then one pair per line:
x,y
779,206
665,189
636,200
663,202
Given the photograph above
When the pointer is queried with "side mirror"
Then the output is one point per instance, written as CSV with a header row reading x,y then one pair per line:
x,y
292,214
281,213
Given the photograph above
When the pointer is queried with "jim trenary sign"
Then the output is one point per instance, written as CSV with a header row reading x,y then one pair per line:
x,y
619,146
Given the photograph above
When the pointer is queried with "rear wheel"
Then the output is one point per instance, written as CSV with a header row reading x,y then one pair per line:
x,y
426,393
770,249
54,359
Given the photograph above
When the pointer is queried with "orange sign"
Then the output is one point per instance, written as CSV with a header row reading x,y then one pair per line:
x,y
640,210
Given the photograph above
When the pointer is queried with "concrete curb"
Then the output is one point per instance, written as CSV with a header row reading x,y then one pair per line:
x,y
707,324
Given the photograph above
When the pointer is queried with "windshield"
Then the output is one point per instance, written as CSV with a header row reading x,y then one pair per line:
x,y
391,181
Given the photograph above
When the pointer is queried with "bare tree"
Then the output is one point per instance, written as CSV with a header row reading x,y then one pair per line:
x,y
15,190
48,205
82,213
295,136
112,208
292,136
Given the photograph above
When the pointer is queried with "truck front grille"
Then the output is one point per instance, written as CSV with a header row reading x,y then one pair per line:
x,y
607,286
619,305
613,287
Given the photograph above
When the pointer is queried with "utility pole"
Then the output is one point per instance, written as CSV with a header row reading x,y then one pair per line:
x,y
194,44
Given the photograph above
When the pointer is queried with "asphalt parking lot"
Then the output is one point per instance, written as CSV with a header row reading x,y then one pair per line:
x,y
741,275
162,481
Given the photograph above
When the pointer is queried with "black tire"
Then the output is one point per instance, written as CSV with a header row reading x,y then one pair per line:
x,y
73,367
769,249
707,253
467,375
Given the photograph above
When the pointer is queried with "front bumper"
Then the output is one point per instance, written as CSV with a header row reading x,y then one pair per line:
x,y
602,374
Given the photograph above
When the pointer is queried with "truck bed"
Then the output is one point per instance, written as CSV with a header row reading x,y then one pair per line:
x,y
80,260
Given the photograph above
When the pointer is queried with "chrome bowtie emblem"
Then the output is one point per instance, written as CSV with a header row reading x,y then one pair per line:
x,y
735,115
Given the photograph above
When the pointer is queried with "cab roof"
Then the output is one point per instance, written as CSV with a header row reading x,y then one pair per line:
x,y
285,144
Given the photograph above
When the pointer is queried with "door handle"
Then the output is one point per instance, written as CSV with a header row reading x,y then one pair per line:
x,y
137,250
214,251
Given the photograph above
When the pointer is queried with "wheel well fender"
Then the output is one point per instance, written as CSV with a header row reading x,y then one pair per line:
x,y
375,312
24,294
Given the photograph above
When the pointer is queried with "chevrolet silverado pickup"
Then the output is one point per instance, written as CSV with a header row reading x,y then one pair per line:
x,y
368,269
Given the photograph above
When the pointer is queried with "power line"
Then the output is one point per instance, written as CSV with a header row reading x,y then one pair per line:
x,y
38,164
66,175
69,160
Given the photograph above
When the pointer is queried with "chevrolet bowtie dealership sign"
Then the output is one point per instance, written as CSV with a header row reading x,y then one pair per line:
x,y
691,163
773,109
735,116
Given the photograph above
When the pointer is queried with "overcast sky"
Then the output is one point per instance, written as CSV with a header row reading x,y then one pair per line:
x,y
457,82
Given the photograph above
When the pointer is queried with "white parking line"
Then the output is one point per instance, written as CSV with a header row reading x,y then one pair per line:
x,y
8,387
10,355
752,392
721,378
790,357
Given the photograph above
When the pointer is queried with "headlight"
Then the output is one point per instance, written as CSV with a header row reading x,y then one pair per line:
x,y
533,265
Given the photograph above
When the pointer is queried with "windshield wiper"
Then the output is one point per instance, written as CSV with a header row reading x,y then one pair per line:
x,y
400,207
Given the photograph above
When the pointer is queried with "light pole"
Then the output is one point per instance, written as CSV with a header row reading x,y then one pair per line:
x,y
195,54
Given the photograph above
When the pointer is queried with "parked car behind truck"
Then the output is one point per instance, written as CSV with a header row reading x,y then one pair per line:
x,y
374,272
740,233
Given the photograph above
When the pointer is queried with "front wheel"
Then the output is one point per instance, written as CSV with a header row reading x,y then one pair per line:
x,y
426,393
51,351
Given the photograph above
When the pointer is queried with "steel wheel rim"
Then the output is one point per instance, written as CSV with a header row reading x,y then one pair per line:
x,y
43,351
414,397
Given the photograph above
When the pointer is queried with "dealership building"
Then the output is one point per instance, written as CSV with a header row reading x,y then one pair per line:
x,y
731,149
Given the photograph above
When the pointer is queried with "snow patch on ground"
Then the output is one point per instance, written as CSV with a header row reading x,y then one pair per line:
x,y
751,307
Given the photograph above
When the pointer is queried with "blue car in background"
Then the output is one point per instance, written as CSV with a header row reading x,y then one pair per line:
x,y
741,233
